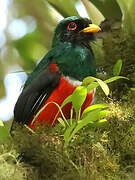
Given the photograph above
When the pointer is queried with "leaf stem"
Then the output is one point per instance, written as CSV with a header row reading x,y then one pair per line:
x,y
36,116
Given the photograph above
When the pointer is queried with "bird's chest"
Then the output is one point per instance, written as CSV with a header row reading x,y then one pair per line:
x,y
64,89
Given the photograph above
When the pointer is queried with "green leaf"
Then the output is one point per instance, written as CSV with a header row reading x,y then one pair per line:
x,y
104,113
128,13
108,7
78,97
27,127
92,116
67,100
19,72
133,127
89,119
100,123
4,134
2,88
64,7
95,15
68,133
88,80
61,121
28,53
42,109
93,85
93,107
104,86
117,68
114,79
132,89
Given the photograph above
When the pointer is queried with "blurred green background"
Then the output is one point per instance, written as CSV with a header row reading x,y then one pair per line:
x,y
26,30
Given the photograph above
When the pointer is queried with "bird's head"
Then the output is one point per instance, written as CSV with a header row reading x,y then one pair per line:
x,y
74,30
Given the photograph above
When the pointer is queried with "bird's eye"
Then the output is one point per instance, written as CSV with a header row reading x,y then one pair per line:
x,y
72,26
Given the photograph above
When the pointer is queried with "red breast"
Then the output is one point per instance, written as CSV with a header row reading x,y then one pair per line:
x,y
60,93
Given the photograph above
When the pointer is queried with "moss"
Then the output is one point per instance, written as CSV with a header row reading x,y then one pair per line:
x,y
10,167
43,151
105,153
113,43
116,44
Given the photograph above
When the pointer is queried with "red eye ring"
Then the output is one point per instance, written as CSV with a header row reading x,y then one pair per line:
x,y
72,26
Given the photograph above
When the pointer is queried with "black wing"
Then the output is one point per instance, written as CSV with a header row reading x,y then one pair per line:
x,y
34,95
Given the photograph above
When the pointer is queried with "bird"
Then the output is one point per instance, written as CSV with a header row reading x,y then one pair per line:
x,y
59,72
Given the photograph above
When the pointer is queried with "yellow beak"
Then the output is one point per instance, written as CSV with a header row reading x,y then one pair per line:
x,y
91,29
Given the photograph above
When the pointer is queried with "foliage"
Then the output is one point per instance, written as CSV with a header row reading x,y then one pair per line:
x,y
4,134
92,11
107,8
117,67
133,89
66,8
128,15
54,151
99,153
91,115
